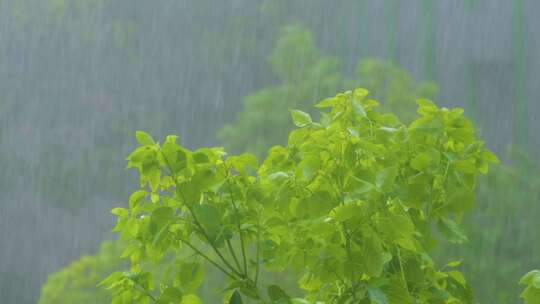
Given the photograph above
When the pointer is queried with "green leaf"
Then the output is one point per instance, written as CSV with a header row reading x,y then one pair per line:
x,y
161,233
465,166
373,255
144,138
359,94
453,232
243,162
359,109
461,200
249,289
396,292
426,106
200,157
277,294
162,215
425,159
531,278
377,296
191,299
278,176
209,218
136,197
309,166
458,276
358,186
171,139
111,278
454,263
236,298
531,295
386,177
326,103
343,213
301,119
120,211
190,275
170,295
490,156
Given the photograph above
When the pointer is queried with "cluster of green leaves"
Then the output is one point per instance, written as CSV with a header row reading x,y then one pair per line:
x,y
353,205
305,75
531,281
76,283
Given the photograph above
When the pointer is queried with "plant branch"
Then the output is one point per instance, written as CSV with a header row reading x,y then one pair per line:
x,y
347,234
195,219
242,243
233,254
146,292
401,268
257,266
199,252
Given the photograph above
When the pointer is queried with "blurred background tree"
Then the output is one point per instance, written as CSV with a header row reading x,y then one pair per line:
x,y
304,76
77,282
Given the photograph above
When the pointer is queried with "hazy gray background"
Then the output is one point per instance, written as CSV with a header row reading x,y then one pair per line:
x,y
77,78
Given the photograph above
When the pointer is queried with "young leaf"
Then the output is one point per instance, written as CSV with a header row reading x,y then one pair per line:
x,y
144,138
170,295
301,119
453,232
277,294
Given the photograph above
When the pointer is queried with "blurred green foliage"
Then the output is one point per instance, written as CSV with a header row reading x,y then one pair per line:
x,y
393,86
503,229
304,75
77,282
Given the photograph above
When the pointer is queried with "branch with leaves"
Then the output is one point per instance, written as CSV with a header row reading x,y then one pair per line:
x,y
349,206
